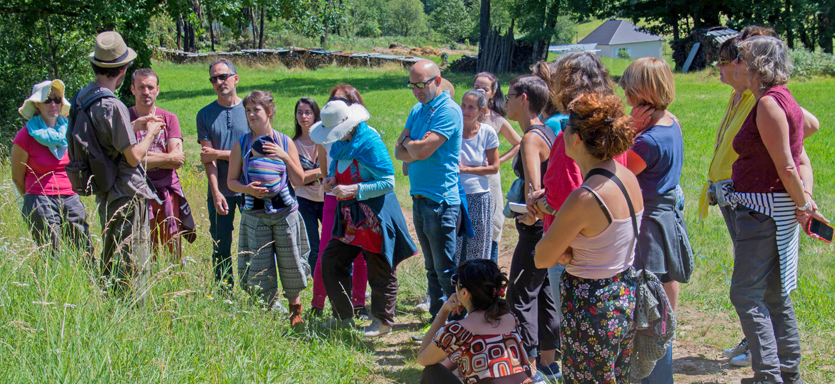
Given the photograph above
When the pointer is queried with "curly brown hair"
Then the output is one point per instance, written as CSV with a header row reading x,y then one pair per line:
x,y
600,122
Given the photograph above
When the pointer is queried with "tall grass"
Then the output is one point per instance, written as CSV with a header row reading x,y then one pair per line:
x,y
57,326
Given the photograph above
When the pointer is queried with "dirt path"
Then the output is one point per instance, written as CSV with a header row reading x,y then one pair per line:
x,y
695,358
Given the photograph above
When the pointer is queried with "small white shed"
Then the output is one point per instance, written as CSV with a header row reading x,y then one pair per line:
x,y
614,35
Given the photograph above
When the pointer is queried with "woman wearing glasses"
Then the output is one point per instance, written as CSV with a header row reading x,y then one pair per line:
x,y
494,116
310,195
359,275
772,195
39,155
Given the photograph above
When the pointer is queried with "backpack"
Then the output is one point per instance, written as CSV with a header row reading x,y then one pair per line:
x,y
90,170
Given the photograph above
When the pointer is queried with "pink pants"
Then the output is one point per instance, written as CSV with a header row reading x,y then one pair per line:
x,y
360,275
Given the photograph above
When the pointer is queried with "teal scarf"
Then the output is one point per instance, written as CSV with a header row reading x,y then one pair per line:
x,y
54,139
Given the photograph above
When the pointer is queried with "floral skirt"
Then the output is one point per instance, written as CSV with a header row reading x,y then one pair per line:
x,y
596,327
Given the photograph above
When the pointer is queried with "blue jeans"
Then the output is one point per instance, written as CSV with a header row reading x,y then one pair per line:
x,y
494,253
312,212
436,226
555,276
221,228
663,371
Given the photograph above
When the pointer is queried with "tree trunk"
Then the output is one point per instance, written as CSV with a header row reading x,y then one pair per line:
x,y
254,32
180,32
826,29
323,40
789,20
212,33
484,25
261,31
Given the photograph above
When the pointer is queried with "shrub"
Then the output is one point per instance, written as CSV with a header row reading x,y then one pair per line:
x,y
808,63
623,53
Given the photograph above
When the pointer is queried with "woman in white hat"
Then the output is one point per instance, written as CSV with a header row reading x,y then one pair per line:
x,y
272,242
39,155
368,215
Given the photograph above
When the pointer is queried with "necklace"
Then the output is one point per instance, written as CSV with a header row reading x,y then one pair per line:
x,y
730,114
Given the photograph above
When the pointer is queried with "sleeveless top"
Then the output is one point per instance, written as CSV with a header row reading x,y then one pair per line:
x,y
481,357
608,253
519,164
309,158
754,170
361,230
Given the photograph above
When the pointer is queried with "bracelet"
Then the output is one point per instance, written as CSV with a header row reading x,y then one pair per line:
x,y
805,207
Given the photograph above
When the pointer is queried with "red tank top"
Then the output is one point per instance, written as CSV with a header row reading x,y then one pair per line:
x,y
368,233
754,171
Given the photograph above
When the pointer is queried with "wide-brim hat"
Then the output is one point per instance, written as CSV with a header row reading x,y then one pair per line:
x,y
338,119
111,51
40,92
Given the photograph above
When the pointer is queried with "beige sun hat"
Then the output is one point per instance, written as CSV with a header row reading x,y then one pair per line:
x,y
337,120
111,51
40,92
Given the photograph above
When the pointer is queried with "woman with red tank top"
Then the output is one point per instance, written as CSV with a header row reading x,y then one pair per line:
x,y
770,200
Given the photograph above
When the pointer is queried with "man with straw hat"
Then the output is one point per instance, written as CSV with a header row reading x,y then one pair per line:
x,y
123,209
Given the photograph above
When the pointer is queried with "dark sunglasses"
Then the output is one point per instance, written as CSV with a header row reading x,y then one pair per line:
x,y
509,95
56,100
738,58
454,280
222,77
563,125
421,84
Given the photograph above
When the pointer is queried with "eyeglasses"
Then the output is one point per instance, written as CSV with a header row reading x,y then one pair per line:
x,y
509,95
222,77
563,125
304,113
723,62
422,84
454,280
738,59
55,100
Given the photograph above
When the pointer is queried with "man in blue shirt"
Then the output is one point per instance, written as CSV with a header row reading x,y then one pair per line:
x,y
431,144
220,125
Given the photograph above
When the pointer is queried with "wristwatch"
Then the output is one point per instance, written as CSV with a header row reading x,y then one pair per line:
x,y
805,207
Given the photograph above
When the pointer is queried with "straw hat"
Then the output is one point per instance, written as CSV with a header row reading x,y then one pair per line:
x,y
337,120
111,51
40,92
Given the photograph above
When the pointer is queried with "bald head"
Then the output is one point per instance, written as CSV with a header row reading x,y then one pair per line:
x,y
427,76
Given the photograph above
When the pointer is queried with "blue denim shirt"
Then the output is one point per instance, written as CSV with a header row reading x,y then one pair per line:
x,y
436,177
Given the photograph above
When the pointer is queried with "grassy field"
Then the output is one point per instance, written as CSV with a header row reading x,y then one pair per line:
x,y
57,326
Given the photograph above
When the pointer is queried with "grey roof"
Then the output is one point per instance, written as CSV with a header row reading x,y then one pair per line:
x,y
722,34
572,47
615,32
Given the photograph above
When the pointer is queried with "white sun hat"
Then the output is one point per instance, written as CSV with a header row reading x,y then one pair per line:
x,y
337,120
40,92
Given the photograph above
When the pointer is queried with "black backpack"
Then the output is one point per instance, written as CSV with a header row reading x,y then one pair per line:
x,y
90,170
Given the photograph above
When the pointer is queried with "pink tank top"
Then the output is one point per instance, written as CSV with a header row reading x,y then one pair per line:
x,y
606,254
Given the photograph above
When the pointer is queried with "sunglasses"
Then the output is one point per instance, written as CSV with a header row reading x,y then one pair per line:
x,y
421,84
509,95
454,280
222,77
738,58
55,100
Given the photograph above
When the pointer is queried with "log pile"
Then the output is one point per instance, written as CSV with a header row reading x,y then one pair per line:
x,y
291,57
518,59
710,39
495,55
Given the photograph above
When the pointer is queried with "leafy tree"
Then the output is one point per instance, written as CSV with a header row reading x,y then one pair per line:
x,y
453,20
404,18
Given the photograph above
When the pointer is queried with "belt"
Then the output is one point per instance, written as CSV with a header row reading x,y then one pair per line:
x,y
419,196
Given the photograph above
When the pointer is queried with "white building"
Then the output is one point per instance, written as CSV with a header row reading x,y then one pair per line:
x,y
614,35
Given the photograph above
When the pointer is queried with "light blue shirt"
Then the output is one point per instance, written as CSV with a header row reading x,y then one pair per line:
x,y
436,177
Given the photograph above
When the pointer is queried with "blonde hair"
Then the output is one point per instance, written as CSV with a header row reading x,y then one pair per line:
x,y
649,81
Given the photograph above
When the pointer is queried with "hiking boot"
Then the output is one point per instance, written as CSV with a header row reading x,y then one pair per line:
x,y
551,372
743,360
424,306
296,315
755,381
361,313
377,329
736,351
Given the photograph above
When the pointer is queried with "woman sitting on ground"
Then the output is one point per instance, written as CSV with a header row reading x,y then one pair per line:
x,y
486,346
272,242
598,227
479,160
368,216
39,155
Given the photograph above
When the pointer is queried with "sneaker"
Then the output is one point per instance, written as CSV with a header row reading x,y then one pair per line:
x,y
539,378
551,372
736,351
743,360
377,329
424,306
755,381
361,313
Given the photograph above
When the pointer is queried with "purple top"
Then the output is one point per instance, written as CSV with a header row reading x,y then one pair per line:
x,y
161,177
754,171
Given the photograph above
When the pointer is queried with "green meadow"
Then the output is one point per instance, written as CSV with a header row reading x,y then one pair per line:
x,y
56,325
